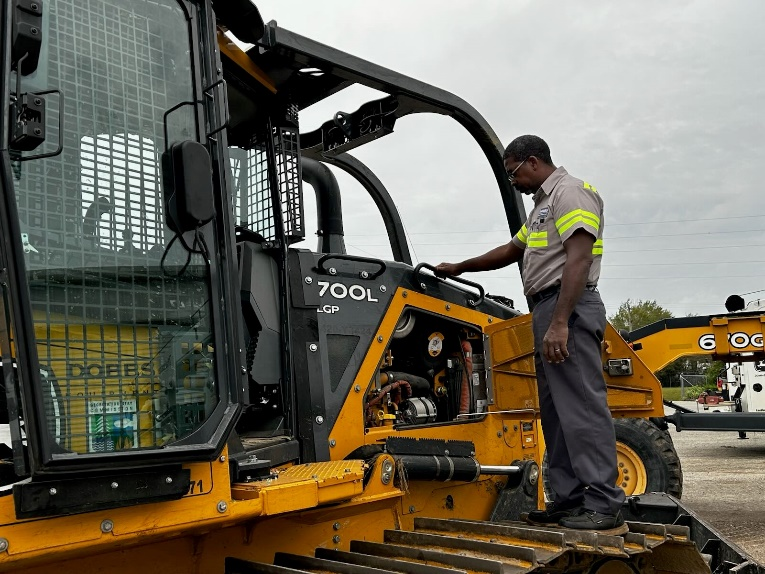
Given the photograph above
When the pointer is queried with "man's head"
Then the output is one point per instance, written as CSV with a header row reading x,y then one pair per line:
x,y
528,163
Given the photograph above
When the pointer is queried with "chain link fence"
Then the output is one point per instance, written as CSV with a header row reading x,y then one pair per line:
x,y
689,384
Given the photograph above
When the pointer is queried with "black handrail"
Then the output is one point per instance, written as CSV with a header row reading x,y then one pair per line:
x,y
471,302
347,257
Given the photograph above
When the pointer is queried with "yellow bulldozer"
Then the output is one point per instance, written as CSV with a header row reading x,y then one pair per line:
x,y
187,389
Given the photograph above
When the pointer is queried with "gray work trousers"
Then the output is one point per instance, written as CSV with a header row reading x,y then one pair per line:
x,y
576,421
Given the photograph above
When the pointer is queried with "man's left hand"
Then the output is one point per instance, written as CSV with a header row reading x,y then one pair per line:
x,y
554,347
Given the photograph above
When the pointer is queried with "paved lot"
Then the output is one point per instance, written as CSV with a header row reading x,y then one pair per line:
x,y
724,483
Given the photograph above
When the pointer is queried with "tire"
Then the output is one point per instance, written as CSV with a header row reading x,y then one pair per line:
x,y
657,460
647,455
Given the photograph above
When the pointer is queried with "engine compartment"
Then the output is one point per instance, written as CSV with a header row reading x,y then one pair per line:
x,y
432,372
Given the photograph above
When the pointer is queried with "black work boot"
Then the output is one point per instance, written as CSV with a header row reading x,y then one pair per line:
x,y
553,514
591,520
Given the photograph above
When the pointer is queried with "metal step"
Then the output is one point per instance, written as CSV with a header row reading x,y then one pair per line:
x,y
439,546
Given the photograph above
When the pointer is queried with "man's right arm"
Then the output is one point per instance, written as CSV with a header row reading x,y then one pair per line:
x,y
497,258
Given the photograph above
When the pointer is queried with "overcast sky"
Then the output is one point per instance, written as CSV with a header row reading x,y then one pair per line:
x,y
658,104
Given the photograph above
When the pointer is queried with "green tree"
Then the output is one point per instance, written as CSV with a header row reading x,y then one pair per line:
x,y
635,314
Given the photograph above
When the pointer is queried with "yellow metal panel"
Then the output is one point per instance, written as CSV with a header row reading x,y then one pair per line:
x,y
662,348
305,486
637,395
282,498
235,53
630,398
63,536
720,330
259,540
140,539
463,500
512,363
327,472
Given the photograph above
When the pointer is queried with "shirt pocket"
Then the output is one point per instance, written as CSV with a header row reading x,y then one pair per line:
x,y
541,229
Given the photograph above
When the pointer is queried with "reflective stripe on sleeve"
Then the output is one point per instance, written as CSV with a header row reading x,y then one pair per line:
x,y
590,187
597,247
523,235
577,216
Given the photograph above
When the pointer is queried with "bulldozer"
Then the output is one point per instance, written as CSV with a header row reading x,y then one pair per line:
x,y
187,389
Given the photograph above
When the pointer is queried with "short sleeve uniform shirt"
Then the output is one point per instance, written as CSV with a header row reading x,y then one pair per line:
x,y
562,205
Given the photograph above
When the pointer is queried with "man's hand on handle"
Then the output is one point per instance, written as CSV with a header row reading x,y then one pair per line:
x,y
448,270
497,258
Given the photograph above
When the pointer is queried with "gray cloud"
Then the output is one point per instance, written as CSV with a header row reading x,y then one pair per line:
x,y
655,103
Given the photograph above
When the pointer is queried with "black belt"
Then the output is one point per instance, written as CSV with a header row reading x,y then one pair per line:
x,y
553,290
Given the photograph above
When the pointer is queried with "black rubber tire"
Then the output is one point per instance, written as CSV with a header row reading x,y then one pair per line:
x,y
655,449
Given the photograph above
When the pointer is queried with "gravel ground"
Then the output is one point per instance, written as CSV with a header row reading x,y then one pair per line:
x,y
724,483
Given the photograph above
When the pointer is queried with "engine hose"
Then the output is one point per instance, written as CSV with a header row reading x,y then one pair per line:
x,y
467,350
419,386
443,468
391,387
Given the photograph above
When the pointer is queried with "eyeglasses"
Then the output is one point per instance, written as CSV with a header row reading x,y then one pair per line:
x,y
511,175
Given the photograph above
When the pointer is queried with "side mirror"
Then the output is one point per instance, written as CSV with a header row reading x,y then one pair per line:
x,y
242,18
187,178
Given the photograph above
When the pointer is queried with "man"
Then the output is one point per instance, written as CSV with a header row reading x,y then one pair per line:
x,y
561,245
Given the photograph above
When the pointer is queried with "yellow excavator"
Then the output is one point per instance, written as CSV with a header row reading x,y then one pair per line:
x,y
187,389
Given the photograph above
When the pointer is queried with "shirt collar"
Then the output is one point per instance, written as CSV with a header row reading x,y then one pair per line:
x,y
550,183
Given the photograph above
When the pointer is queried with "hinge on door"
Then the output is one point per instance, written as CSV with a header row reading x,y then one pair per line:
x,y
28,124
26,35
28,127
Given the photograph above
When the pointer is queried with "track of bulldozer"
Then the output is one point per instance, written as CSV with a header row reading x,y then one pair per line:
x,y
449,546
